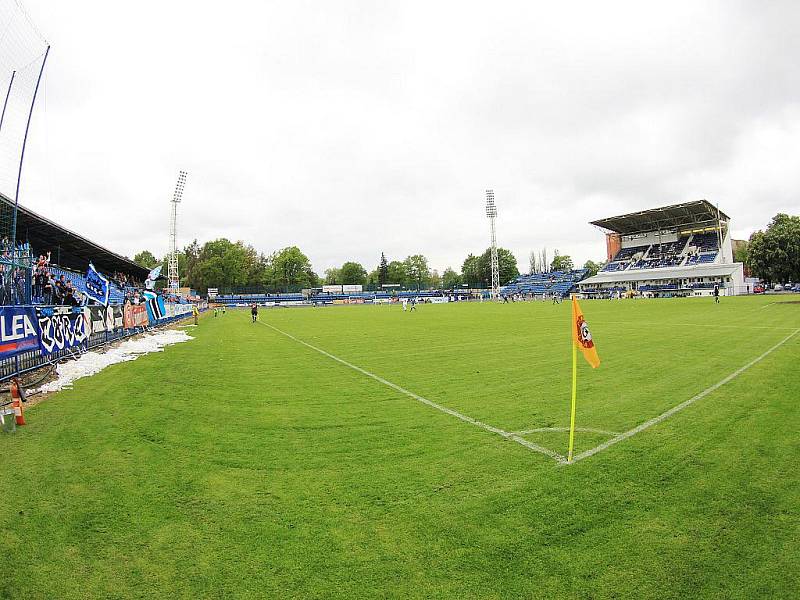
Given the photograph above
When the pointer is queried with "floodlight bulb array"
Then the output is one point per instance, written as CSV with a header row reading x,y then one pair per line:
x,y
179,186
491,209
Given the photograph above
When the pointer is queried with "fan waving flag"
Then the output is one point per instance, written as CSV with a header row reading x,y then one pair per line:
x,y
582,336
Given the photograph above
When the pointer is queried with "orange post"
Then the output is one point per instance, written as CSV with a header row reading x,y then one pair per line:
x,y
16,402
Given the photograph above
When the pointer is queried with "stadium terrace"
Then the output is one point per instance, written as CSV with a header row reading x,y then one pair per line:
x,y
66,308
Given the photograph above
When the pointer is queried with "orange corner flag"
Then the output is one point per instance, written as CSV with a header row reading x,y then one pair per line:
x,y
582,337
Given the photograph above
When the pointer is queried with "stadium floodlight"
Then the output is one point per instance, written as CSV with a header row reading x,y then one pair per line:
x,y
491,212
172,267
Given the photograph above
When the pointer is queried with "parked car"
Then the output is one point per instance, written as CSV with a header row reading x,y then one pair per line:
x,y
796,287
758,289
778,287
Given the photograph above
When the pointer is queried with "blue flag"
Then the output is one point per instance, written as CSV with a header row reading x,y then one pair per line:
x,y
97,286
153,275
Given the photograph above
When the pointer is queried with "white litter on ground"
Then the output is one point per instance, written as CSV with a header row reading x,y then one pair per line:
x,y
94,362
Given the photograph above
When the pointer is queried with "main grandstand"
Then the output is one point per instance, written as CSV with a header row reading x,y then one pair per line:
x,y
677,250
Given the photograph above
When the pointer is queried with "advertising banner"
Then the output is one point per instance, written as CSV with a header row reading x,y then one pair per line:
x,y
331,289
182,309
135,315
351,289
61,327
140,316
96,316
127,318
102,319
117,317
19,330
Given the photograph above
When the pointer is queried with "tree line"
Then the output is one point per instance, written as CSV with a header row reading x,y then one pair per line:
x,y
231,265
227,265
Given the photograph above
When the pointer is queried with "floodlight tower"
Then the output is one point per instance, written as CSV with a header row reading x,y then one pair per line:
x,y
491,212
172,267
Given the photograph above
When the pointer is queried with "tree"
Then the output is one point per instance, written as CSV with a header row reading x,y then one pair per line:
x,y
417,271
333,276
740,255
192,255
435,280
774,254
290,267
222,263
146,259
593,267
533,262
396,272
506,263
451,279
471,272
383,270
740,252
561,262
352,273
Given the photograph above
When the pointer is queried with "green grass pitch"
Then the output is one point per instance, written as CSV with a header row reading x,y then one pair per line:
x,y
244,464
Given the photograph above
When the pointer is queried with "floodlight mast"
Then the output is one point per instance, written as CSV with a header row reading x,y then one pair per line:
x,y
491,212
172,267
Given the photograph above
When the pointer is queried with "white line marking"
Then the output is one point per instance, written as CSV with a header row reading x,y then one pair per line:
x,y
681,406
509,436
712,325
562,429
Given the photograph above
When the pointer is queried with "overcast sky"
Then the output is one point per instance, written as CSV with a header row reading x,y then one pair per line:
x,y
351,128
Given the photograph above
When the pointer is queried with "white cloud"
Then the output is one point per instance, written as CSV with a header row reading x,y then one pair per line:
x,y
351,128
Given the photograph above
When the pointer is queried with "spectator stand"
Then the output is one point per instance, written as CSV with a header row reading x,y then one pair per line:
x,y
43,247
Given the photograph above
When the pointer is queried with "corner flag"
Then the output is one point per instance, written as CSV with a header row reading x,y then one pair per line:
x,y
581,338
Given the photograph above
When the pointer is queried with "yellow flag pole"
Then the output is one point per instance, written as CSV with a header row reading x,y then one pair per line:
x,y
574,396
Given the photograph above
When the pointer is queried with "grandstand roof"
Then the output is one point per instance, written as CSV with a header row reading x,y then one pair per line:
x,y
698,213
68,249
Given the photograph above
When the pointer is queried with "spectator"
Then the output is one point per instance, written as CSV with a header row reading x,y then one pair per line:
x,y
43,262
40,279
69,295
4,287
60,290
49,287
19,282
